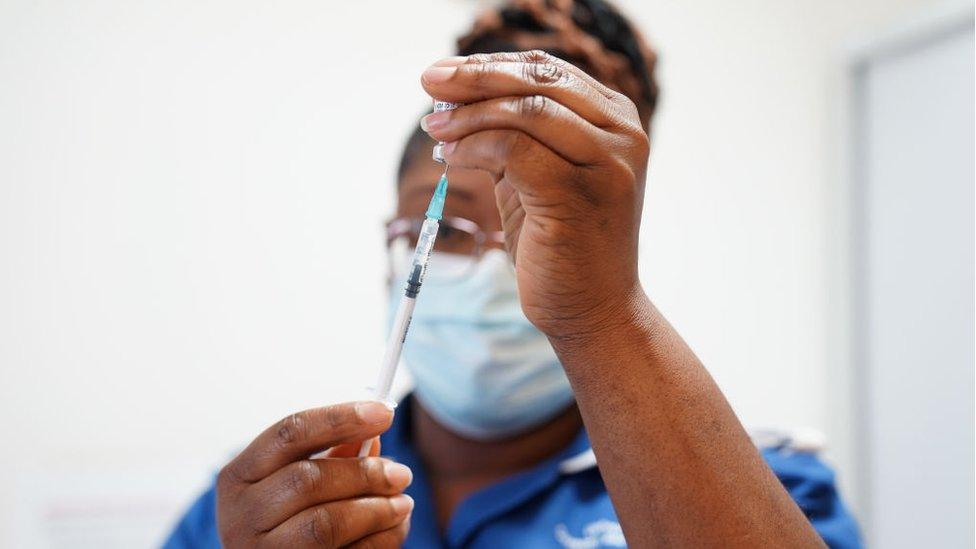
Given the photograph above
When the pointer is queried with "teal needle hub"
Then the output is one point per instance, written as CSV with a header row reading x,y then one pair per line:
x,y
436,208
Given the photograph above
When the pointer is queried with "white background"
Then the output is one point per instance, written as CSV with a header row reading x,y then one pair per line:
x,y
191,196
915,272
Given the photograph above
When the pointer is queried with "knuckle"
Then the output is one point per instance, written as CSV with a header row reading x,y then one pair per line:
x,y
643,143
321,528
304,478
481,72
340,415
535,56
497,57
622,183
533,106
623,171
636,140
481,58
633,114
229,475
225,478
630,116
544,73
620,98
291,430
372,474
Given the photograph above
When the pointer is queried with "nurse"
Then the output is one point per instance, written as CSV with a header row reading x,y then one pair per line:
x,y
566,414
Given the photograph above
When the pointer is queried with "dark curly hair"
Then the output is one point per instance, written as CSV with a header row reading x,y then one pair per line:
x,y
590,34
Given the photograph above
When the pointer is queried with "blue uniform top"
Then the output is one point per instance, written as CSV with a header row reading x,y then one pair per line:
x,y
560,503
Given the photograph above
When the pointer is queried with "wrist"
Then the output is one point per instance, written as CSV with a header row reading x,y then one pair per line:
x,y
630,343
618,312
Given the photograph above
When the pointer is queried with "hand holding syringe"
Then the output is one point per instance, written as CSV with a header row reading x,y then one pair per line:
x,y
415,278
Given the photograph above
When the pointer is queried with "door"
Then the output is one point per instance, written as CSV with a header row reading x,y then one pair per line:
x,y
914,298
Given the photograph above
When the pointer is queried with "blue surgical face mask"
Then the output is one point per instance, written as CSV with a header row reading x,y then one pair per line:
x,y
479,366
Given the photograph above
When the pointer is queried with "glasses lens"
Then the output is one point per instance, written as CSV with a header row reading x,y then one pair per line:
x,y
453,240
455,251
442,266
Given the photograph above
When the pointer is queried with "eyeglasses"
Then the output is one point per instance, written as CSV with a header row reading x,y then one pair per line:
x,y
460,244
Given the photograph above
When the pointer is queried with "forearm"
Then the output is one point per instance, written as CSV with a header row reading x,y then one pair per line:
x,y
680,468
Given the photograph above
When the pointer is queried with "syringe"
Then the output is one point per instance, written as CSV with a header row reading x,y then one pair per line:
x,y
401,322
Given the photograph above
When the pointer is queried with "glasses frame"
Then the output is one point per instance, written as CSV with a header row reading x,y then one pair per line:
x,y
410,225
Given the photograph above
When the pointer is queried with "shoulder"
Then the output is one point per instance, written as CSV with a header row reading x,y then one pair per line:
x,y
197,528
794,458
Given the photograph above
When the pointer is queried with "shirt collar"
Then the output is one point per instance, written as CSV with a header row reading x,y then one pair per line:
x,y
486,504
575,458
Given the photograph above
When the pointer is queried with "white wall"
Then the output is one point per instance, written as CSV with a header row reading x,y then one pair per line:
x,y
915,319
175,178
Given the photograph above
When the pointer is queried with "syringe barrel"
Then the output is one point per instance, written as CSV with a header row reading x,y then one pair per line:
x,y
401,321
421,254
394,346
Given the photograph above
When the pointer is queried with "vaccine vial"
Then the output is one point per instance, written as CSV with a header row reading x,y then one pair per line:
x,y
440,106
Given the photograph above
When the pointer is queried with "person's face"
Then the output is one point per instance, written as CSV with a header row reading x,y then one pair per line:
x,y
470,193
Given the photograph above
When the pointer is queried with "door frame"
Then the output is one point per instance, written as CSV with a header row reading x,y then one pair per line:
x,y
851,415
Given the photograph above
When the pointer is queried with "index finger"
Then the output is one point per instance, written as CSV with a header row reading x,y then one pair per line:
x,y
488,76
300,435
351,450
531,56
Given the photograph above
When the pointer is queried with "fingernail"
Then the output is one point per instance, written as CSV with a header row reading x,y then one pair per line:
x,y
434,120
437,74
449,147
452,61
373,412
398,475
402,504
